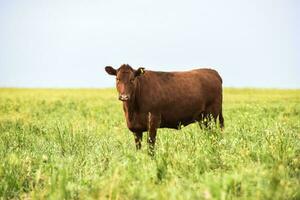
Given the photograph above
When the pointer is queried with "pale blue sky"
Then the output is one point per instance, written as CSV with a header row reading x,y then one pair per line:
x,y
55,43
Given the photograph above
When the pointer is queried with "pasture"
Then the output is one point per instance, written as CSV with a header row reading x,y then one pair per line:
x,y
74,144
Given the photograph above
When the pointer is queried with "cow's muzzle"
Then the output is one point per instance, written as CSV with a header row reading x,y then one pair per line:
x,y
123,97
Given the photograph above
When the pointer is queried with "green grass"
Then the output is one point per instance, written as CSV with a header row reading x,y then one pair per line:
x,y
74,144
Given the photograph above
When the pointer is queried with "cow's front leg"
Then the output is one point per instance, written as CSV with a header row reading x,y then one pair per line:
x,y
153,124
138,136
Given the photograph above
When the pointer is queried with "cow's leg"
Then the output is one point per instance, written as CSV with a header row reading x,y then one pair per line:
x,y
199,117
206,120
203,121
138,136
153,124
213,110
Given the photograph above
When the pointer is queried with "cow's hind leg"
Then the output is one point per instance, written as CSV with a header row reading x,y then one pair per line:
x,y
210,120
138,136
215,112
203,121
200,117
153,124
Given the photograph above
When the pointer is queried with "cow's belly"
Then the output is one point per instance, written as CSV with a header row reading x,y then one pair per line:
x,y
175,118
176,124
173,115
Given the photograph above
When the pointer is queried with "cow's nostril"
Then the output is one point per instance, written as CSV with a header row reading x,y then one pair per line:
x,y
123,97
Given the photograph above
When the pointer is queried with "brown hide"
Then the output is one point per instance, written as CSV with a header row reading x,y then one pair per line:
x,y
171,99
178,97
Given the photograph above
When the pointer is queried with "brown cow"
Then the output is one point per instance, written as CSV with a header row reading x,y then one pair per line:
x,y
154,100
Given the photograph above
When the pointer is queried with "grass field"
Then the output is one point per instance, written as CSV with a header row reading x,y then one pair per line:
x,y
74,144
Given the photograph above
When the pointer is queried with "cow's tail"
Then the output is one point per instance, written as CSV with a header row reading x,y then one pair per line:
x,y
221,120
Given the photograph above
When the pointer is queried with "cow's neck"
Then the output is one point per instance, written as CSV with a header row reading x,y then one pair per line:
x,y
131,107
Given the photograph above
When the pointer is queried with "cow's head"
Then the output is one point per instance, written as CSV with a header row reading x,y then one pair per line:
x,y
125,80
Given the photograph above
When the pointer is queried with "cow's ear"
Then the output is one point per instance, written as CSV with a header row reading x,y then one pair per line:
x,y
110,70
140,71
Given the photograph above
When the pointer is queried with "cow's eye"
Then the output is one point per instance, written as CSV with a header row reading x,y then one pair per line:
x,y
132,80
118,80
